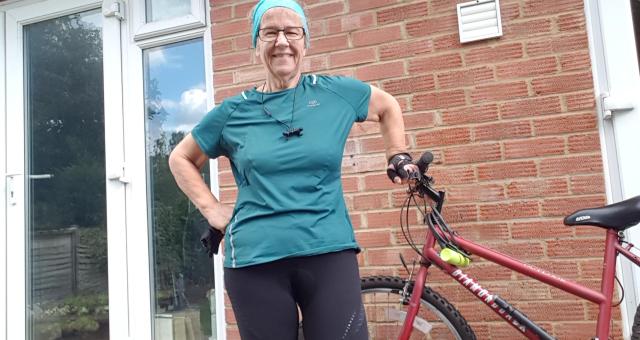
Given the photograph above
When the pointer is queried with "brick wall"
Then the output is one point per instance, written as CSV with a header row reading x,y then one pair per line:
x,y
511,121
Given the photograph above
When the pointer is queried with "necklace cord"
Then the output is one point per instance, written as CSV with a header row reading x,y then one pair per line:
x,y
290,130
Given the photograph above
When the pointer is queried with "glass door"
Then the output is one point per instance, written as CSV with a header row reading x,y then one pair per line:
x,y
59,277
614,30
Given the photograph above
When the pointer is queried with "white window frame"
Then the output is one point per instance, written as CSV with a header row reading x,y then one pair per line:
x,y
146,36
3,201
143,30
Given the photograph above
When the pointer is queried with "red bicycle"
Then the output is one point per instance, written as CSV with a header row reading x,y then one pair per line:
x,y
399,308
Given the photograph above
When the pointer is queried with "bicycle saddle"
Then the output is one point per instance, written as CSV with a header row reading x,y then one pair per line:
x,y
618,216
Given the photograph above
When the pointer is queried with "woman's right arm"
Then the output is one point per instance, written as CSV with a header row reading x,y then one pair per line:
x,y
185,163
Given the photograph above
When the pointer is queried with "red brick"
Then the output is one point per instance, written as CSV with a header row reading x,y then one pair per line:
x,y
228,195
243,10
580,61
468,77
503,91
571,165
419,120
351,147
557,44
409,85
534,147
562,83
249,74
367,239
222,79
404,49
451,136
356,220
449,42
352,57
528,68
223,93
380,71
590,184
242,42
530,107
227,61
580,101
565,124
522,29
325,10
452,175
350,22
353,164
432,26
543,7
476,193
315,63
538,188
584,143
430,64
439,99
484,231
371,201
472,153
331,43
575,248
387,257
376,36
222,46
361,5
220,14
495,171
567,205
349,184
498,131
402,13
508,211
544,229
460,213
470,114
572,22
387,219
493,54
377,182
230,28
531,249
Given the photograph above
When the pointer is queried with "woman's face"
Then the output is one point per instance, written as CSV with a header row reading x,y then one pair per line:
x,y
281,58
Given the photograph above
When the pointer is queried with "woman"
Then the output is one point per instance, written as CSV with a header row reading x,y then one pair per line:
x,y
288,240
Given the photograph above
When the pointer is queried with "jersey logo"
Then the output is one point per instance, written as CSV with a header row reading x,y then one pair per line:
x,y
313,103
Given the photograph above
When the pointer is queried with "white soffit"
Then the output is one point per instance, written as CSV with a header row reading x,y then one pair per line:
x,y
479,20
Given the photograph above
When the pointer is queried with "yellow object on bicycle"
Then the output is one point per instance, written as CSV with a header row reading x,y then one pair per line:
x,y
455,258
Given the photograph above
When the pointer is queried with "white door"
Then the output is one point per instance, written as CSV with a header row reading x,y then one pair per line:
x,y
65,241
614,32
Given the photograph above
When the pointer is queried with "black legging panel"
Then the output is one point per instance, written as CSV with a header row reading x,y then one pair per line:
x,y
326,288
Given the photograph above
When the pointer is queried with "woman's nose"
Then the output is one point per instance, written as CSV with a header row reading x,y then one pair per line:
x,y
281,39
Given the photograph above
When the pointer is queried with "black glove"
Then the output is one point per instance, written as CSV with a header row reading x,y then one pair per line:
x,y
398,161
211,237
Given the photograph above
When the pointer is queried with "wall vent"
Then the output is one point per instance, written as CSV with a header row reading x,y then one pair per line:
x,y
479,20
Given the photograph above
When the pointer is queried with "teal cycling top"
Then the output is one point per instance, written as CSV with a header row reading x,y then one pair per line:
x,y
290,200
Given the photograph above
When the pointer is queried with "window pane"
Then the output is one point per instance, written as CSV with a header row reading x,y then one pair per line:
x,y
158,10
635,15
175,98
67,259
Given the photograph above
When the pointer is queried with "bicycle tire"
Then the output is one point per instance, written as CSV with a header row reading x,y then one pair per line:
x,y
635,328
443,320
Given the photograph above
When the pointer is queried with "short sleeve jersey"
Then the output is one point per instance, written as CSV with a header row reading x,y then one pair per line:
x,y
290,200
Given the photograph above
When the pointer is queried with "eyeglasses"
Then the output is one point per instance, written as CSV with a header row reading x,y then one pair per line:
x,y
290,33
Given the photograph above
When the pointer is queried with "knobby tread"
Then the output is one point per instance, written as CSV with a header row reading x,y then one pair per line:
x,y
428,295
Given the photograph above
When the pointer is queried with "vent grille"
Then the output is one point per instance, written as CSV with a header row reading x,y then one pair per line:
x,y
479,20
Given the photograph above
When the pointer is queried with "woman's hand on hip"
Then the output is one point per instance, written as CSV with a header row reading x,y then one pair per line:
x,y
219,216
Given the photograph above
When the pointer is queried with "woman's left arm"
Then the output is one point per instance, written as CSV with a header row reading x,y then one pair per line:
x,y
384,108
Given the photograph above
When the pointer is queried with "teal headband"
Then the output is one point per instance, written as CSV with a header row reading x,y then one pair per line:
x,y
265,5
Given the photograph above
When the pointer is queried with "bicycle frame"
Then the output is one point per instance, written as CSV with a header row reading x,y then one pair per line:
x,y
515,318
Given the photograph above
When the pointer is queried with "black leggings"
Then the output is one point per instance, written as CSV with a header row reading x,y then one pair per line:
x,y
326,287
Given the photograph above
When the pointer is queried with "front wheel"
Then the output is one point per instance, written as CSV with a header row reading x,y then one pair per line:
x,y
386,309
